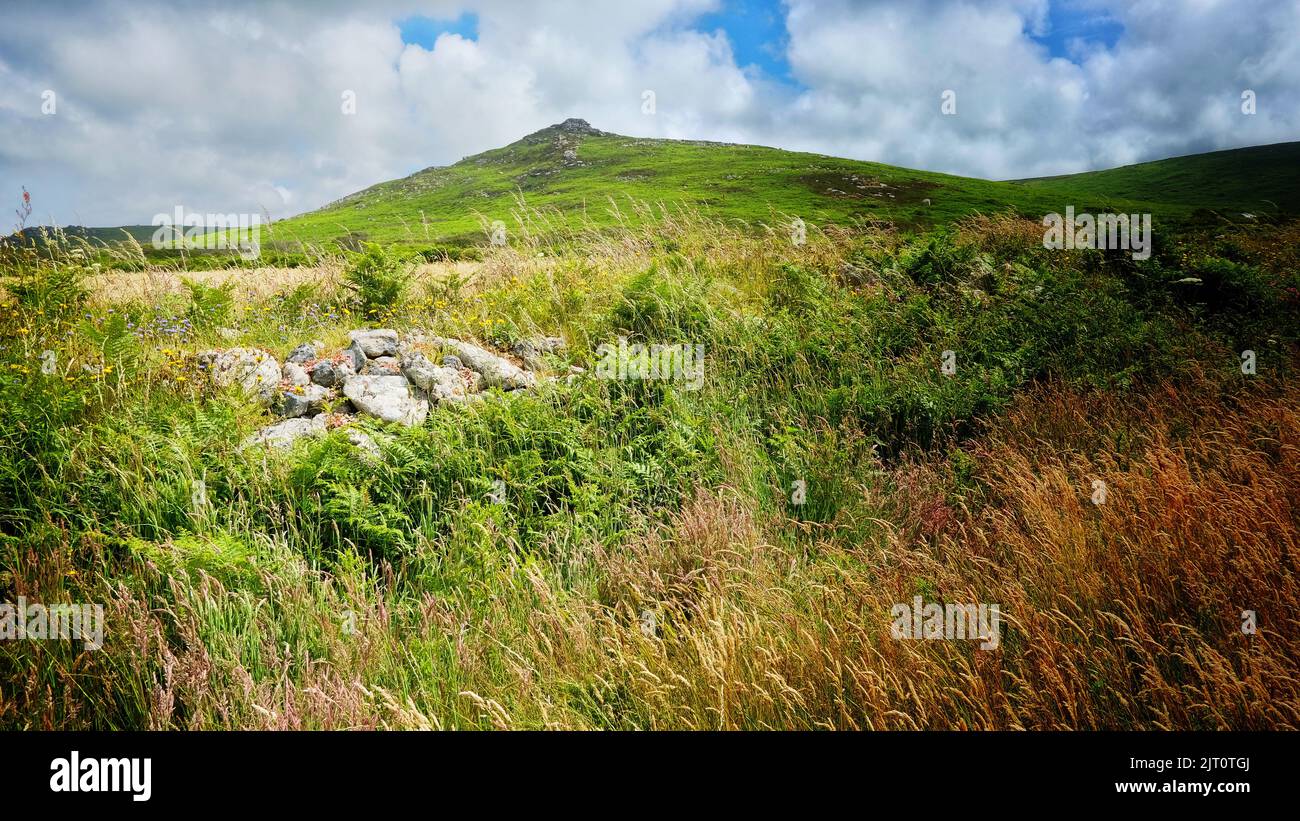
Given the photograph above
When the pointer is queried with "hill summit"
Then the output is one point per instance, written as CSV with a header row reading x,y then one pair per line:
x,y
572,125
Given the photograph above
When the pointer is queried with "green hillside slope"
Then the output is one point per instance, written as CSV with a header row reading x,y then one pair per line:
x,y
1261,180
577,170
95,236
574,175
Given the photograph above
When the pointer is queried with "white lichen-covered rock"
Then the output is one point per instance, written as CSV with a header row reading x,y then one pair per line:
x,y
255,372
295,375
387,397
441,383
417,368
497,371
307,400
381,365
375,343
283,434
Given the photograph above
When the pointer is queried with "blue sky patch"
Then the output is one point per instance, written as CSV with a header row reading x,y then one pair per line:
x,y
424,31
1069,21
757,33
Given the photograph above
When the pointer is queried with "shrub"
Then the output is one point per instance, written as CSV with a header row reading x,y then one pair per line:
x,y
377,280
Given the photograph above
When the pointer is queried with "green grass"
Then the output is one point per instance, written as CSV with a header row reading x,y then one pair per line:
x,y
610,174
822,366
1262,180
611,180
326,588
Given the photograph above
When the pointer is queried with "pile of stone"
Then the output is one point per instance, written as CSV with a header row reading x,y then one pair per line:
x,y
378,375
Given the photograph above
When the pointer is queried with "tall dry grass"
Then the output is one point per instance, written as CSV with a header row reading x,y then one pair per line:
x,y
1126,614
735,615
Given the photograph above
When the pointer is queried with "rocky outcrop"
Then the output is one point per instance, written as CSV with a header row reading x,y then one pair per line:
x,y
330,373
254,371
295,374
530,350
303,353
304,400
389,397
442,384
379,375
283,434
377,343
497,371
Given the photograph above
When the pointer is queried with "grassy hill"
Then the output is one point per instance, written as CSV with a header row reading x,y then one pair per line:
x,y
574,170
1263,180
572,175
142,234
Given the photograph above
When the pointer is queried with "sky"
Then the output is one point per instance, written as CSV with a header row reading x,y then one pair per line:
x,y
114,111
